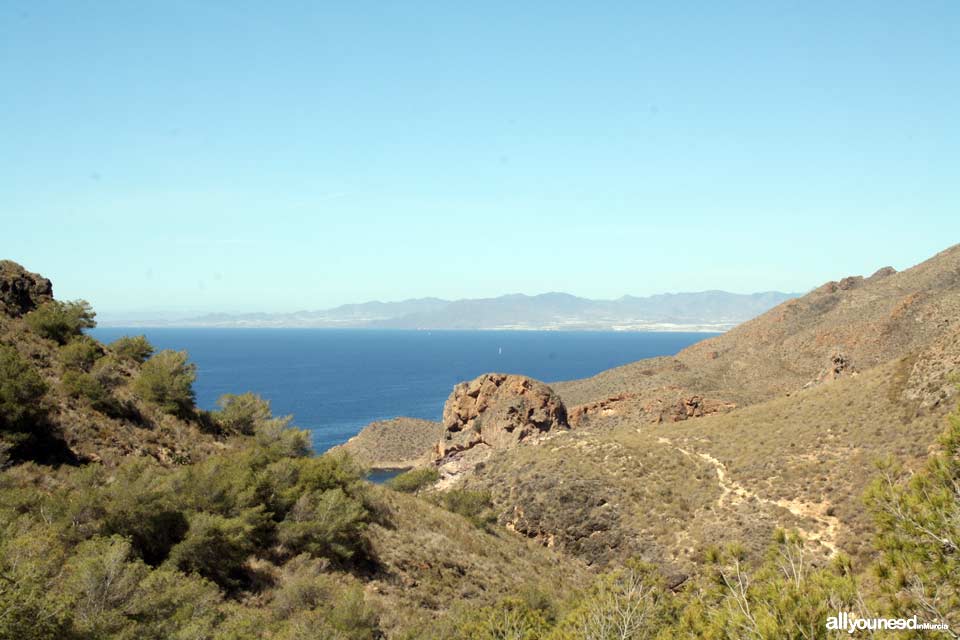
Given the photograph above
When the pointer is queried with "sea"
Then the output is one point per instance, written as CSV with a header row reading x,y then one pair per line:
x,y
335,381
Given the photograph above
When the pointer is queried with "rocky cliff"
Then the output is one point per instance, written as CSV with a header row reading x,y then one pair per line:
x,y
494,412
20,290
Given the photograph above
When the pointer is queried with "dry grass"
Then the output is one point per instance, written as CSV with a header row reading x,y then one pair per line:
x,y
400,443
430,559
666,492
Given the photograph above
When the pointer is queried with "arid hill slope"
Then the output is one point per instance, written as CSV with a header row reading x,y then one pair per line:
x,y
398,443
777,423
839,328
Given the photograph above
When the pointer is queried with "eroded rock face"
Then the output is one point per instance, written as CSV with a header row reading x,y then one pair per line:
x,y
931,382
694,406
20,290
494,411
840,366
499,410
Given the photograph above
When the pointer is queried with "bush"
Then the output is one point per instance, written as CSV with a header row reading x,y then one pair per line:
x,y
107,371
21,390
102,579
918,533
326,524
215,548
80,354
139,507
414,479
166,380
83,385
135,348
509,618
283,441
241,414
475,506
172,605
61,321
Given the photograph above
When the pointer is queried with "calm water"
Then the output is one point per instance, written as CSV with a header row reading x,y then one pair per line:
x,y
335,381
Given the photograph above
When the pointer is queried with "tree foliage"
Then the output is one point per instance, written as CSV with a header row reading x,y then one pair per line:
x,y
21,392
61,321
413,480
80,353
918,520
133,348
242,414
166,380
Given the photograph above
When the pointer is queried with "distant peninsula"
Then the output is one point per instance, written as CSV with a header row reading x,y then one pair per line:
x,y
698,311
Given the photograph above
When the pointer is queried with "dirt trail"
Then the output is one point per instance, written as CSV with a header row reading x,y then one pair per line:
x,y
735,493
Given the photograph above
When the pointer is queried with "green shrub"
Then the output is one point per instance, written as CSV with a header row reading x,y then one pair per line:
x,y
78,384
80,354
510,618
918,533
21,392
140,508
283,441
324,524
30,558
241,414
166,380
173,605
215,548
329,471
351,617
61,321
135,348
414,479
107,371
102,579
475,506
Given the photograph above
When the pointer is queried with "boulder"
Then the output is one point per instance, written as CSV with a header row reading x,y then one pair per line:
x,y
20,290
499,411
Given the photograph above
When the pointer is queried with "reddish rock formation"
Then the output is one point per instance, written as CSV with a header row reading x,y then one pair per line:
x,y
605,407
494,411
499,410
694,406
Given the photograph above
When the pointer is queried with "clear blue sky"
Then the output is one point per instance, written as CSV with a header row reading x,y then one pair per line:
x,y
203,156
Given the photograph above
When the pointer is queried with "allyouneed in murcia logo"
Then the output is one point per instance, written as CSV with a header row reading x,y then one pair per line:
x,y
844,621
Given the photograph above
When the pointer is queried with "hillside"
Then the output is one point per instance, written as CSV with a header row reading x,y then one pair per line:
x,y
126,511
399,443
839,328
719,493
776,423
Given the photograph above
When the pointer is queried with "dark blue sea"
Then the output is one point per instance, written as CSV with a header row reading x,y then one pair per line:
x,y
335,381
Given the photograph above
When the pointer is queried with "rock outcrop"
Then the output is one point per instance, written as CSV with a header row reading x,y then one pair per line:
x,y
840,365
20,290
694,406
495,411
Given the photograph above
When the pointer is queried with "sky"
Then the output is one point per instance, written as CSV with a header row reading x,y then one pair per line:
x,y
181,157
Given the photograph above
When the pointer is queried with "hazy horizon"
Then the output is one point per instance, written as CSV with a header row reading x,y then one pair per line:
x,y
189,313
191,157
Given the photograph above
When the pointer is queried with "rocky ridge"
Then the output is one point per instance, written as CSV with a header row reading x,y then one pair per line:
x,y
20,290
774,424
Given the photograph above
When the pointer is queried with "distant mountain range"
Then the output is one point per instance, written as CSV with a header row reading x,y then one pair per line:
x,y
700,311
